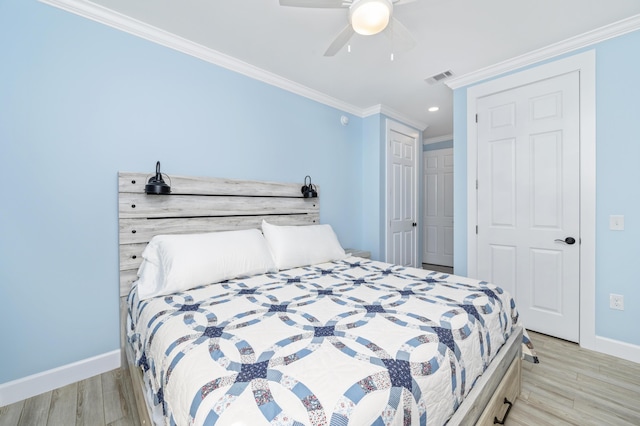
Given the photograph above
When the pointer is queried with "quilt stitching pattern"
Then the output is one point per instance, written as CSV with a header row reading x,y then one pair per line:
x,y
367,294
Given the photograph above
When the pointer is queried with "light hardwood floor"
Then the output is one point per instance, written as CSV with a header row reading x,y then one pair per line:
x,y
103,400
439,268
570,386
575,386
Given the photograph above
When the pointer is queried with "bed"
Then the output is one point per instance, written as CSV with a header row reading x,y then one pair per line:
x,y
343,340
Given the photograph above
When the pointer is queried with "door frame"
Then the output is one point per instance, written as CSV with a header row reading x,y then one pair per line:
x,y
584,63
392,125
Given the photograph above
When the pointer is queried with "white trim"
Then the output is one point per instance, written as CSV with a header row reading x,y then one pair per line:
x,y
445,138
617,348
392,125
391,113
119,21
46,381
590,38
585,63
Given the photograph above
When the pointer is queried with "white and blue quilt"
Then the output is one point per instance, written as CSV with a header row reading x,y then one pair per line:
x,y
351,342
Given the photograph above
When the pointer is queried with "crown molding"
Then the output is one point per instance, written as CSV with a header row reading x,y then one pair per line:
x,y
391,113
444,138
119,21
156,35
589,38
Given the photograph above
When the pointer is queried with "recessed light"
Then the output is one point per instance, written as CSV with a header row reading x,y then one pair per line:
x,y
434,109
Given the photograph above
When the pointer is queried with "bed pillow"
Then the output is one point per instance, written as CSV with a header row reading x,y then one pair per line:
x,y
174,263
293,246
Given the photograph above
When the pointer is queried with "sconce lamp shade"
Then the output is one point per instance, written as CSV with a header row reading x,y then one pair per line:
x,y
308,190
156,184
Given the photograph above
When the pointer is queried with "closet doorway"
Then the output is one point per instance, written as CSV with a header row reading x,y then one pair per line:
x,y
437,227
402,145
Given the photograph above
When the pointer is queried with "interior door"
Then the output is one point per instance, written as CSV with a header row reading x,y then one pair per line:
x,y
528,200
438,207
401,207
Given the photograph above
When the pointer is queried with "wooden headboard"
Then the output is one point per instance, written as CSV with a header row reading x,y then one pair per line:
x,y
201,205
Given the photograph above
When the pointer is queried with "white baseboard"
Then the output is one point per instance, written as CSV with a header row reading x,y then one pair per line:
x,y
618,349
46,381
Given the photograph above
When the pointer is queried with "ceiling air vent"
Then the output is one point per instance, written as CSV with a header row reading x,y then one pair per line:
x,y
439,77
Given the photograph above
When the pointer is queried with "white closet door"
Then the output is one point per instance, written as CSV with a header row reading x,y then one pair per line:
x,y
438,207
401,198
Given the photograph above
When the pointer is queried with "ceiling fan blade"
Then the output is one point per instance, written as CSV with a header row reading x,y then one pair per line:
x,y
316,3
401,38
401,2
340,41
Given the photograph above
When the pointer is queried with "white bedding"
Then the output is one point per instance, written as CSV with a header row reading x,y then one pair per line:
x,y
347,342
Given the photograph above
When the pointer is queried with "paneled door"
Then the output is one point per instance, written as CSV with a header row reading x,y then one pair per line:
x,y
529,200
401,197
438,207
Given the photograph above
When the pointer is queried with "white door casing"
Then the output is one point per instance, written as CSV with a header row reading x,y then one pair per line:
x,y
438,207
584,63
528,200
402,167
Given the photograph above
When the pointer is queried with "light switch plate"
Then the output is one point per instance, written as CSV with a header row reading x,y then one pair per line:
x,y
616,222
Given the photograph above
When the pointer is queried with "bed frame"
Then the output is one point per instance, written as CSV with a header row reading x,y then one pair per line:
x,y
213,204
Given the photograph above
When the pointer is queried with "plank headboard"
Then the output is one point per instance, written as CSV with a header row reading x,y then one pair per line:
x,y
201,204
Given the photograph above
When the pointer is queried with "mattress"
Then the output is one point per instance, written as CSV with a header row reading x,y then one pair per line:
x,y
353,341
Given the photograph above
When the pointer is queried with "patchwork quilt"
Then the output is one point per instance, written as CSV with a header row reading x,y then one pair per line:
x,y
355,342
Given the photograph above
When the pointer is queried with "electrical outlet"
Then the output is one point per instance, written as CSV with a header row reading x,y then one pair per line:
x,y
616,222
616,301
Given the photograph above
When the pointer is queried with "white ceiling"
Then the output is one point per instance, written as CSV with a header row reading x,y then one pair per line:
x,y
458,35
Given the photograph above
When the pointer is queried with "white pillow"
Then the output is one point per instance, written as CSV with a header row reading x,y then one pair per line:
x,y
174,263
294,246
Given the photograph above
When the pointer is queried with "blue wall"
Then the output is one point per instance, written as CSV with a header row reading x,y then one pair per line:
x,y
79,102
617,178
372,185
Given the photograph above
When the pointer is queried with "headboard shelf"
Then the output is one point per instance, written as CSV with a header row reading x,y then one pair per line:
x,y
189,185
163,206
198,205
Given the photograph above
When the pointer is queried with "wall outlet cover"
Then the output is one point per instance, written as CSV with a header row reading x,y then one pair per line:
x,y
616,301
616,222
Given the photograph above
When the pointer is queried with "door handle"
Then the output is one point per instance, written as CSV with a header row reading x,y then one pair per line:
x,y
568,240
414,224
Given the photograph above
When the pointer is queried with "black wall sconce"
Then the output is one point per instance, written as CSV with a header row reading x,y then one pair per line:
x,y
308,191
156,184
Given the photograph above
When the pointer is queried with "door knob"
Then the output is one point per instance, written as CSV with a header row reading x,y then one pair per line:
x,y
414,224
568,240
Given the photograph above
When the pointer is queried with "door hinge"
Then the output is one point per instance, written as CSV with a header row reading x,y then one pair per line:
x,y
476,118
476,183
476,229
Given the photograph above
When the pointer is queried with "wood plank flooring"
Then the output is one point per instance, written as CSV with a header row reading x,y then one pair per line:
x,y
570,386
103,400
575,386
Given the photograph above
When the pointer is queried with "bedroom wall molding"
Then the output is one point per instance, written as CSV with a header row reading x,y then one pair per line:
x,y
49,380
395,115
619,349
589,38
119,21
445,138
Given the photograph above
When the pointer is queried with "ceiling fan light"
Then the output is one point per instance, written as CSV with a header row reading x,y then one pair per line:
x,y
369,17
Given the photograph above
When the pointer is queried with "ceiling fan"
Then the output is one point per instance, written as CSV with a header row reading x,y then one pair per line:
x,y
366,17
